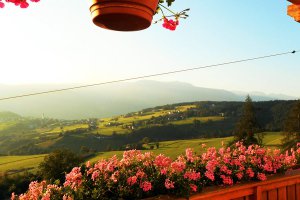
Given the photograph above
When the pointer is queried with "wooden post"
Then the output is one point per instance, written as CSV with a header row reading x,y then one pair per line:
x,y
258,193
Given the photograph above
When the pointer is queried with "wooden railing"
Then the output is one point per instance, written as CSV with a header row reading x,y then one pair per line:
x,y
283,187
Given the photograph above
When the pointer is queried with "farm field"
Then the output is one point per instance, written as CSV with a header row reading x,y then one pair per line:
x,y
16,164
201,119
105,129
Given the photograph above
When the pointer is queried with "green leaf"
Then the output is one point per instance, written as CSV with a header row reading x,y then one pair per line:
x,y
170,2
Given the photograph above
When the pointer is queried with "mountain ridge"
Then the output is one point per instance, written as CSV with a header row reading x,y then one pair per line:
x,y
110,100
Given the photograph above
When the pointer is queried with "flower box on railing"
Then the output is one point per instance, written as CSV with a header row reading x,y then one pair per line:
x,y
247,172
285,187
277,187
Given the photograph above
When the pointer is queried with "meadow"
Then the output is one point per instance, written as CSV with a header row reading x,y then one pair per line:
x,y
16,164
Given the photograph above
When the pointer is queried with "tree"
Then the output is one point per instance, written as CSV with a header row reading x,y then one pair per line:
x,y
292,127
247,126
196,123
84,149
145,140
157,145
57,163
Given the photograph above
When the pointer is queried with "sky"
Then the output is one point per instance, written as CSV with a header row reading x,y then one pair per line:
x,y
55,41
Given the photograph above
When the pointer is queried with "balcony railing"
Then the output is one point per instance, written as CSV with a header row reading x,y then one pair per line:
x,y
283,187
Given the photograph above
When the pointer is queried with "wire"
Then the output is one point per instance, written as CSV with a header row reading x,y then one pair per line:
x,y
148,76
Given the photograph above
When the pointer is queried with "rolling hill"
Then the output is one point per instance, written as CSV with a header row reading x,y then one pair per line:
x,y
110,100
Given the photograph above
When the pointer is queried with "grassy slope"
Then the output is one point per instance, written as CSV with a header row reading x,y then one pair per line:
x,y
177,147
201,119
170,148
104,130
19,163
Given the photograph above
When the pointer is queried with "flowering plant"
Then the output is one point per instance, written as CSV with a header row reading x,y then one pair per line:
x,y
138,175
170,21
21,3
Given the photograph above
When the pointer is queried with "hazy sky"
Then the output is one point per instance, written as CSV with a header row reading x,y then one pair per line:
x,y
55,41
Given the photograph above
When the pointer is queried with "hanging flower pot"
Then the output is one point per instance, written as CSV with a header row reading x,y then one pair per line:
x,y
123,15
294,11
294,1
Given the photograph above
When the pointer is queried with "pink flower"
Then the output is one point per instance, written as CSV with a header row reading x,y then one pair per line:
x,y
268,166
114,177
162,161
170,24
193,187
163,171
95,175
131,180
74,178
24,4
46,197
178,166
21,3
227,180
189,154
250,172
66,197
239,175
146,186
13,196
192,175
261,176
169,184
88,164
141,174
210,175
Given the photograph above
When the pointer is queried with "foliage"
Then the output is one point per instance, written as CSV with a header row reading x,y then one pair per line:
x,y
57,163
292,127
15,183
139,175
247,125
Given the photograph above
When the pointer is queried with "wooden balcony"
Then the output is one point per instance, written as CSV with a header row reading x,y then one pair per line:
x,y
278,187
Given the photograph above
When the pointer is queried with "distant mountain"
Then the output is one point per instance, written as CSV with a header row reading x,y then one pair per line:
x,y
8,116
109,100
260,96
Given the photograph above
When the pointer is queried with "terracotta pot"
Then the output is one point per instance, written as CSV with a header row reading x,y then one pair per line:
x,y
294,1
123,15
294,11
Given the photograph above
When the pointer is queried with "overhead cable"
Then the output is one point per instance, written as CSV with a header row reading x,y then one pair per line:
x,y
151,75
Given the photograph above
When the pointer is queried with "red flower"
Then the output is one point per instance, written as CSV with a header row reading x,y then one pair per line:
x,y
193,187
21,3
2,4
170,24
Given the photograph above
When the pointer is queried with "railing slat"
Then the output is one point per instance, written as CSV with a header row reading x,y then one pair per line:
x,y
291,192
276,188
280,184
282,193
240,198
298,191
258,193
265,195
272,194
